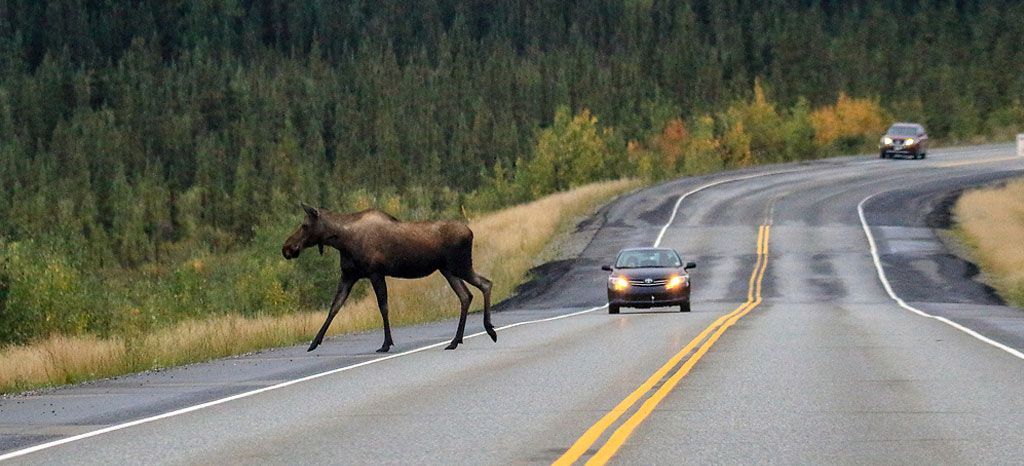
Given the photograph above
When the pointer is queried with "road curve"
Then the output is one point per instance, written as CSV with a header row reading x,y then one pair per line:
x,y
795,352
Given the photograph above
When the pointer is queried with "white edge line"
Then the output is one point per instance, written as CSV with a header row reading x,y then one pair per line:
x,y
903,304
43,446
208,404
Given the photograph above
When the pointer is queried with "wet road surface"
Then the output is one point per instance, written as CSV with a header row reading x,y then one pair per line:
x,y
794,351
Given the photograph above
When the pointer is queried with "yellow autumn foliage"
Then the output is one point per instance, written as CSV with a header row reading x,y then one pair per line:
x,y
850,118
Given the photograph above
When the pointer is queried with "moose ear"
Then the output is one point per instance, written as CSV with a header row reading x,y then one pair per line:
x,y
310,210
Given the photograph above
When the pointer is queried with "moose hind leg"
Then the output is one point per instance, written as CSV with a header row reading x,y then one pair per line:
x,y
465,298
484,285
344,286
380,288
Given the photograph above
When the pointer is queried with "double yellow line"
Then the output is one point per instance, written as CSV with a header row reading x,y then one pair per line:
x,y
716,329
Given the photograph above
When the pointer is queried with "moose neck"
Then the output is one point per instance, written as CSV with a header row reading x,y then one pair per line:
x,y
335,231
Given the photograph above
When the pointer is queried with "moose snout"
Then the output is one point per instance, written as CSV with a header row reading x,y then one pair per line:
x,y
289,252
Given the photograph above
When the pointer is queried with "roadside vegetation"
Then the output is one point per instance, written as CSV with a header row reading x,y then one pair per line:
x,y
991,222
151,163
507,243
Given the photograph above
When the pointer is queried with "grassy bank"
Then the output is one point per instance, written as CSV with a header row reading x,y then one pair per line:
x,y
991,222
507,243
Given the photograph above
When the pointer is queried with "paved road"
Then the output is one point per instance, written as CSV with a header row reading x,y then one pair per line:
x,y
794,353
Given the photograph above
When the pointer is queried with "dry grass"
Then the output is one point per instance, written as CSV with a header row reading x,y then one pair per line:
x,y
507,243
991,222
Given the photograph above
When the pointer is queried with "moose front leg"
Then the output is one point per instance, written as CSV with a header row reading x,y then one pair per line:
x,y
380,288
344,287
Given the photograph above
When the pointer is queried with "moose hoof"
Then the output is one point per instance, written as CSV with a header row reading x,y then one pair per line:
x,y
451,346
384,349
492,333
312,346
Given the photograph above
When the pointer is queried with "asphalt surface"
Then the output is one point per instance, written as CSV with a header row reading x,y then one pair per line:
x,y
824,369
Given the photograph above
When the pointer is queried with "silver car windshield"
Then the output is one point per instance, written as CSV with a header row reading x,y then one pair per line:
x,y
633,259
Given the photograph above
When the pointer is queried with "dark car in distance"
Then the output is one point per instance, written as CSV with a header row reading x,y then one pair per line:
x,y
648,277
904,139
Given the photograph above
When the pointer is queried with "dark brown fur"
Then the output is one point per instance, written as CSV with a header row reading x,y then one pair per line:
x,y
375,245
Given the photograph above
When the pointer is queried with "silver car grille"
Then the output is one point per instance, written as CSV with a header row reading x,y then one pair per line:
x,y
648,282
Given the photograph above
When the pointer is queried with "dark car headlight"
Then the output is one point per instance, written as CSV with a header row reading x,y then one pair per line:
x,y
675,282
618,283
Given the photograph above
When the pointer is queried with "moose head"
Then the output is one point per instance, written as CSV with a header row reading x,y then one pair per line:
x,y
308,234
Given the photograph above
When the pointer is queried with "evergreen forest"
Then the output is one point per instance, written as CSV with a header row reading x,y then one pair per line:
x,y
153,153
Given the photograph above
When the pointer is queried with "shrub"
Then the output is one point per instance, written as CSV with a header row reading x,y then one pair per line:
x,y
1005,122
671,143
41,292
797,133
734,146
850,125
702,153
570,153
756,125
642,161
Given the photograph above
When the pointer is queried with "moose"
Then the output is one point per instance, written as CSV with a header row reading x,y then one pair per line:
x,y
374,245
